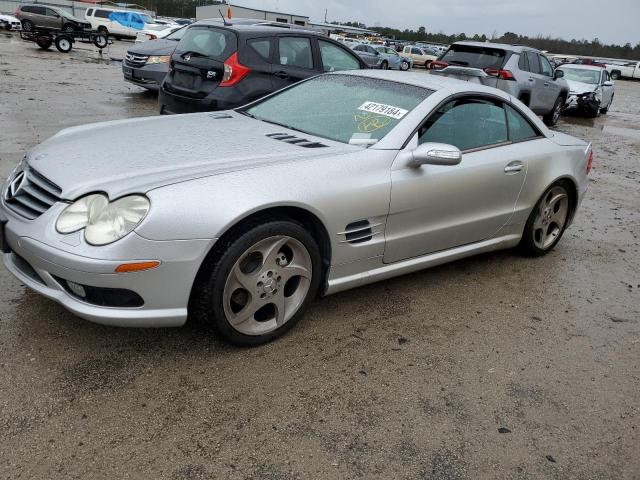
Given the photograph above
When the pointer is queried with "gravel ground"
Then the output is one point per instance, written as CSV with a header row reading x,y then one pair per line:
x,y
496,367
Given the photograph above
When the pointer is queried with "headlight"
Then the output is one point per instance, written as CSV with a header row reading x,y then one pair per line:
x,y
158,59
103,221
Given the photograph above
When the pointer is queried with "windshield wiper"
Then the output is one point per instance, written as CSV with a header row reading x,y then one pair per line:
x,y
193,54
246,114
282,125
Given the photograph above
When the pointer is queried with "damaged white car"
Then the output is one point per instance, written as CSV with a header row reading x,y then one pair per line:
x,y
591,90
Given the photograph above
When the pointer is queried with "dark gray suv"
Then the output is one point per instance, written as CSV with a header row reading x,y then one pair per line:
x,y
32,16
523,72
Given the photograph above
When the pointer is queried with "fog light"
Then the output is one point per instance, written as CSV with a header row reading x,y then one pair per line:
x,y
77,289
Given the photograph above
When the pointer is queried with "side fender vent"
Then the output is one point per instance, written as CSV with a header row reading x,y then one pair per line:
x,y
360,231
293,140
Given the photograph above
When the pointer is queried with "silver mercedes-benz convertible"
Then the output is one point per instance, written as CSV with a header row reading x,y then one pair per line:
x,y
241,217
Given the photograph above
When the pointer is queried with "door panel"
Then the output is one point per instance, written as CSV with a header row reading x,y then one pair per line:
x,y
434,207
536,80
551,87
294,61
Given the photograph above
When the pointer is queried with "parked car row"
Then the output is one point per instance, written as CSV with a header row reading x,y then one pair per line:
x,y
9,22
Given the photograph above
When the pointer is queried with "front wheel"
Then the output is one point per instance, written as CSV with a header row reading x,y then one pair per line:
x,y
260,282
551,118
404,65
100,41
547,222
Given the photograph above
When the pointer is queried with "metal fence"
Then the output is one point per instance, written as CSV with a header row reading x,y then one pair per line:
x,y
77,9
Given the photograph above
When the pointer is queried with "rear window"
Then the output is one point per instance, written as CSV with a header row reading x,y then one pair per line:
x,y
209,42
474,57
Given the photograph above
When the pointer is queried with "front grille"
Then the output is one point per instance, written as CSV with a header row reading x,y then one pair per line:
x,y
29,194
136,61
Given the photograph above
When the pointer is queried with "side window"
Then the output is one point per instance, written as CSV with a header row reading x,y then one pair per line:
x,y
519,127
466,123
89,12
38,10
281,20
359,48
102,14
295,52
534,62
523,64
262,46
335,58
606,75
416,51
51,13
547,69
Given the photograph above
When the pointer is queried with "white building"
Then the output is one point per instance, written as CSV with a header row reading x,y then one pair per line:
x,y
213,11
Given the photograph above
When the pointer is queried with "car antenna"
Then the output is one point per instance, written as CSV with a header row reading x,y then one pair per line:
x,y
223,19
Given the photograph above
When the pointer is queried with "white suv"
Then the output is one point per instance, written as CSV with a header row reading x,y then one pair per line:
x,y
100,20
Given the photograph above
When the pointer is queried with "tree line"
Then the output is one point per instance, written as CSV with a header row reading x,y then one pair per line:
x,y
590,48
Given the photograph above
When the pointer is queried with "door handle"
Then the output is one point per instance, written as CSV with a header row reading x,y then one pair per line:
x,y
282,75
514,167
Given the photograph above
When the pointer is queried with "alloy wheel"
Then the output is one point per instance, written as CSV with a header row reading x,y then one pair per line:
x,y
267,285
552,215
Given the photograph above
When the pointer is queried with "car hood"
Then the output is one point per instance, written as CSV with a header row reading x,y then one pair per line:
x,y
138,155
8,18
154,47
580,87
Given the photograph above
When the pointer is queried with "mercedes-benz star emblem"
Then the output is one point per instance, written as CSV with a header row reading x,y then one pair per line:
x,y
16,184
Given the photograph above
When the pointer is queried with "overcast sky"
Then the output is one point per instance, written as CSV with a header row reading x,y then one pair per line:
x,y
612,21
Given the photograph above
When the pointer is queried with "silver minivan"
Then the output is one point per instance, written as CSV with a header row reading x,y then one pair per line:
x,y
523,72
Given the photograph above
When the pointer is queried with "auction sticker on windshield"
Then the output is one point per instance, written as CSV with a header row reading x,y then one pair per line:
x,y
382,109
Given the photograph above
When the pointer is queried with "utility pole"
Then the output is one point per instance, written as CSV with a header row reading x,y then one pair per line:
x,y
325,15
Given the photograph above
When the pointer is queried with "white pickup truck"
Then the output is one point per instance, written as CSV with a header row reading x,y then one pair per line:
x,y
624,70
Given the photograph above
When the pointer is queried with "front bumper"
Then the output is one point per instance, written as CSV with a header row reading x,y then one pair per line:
x,y
45,268
148,76
587,103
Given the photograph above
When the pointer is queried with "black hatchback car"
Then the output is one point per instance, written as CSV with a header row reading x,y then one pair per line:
x,y
218,67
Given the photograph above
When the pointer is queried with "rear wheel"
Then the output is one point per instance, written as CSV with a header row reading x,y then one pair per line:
x,y
615,75
259,284
547,222
63,44
100,41
27,25
427,64
551,118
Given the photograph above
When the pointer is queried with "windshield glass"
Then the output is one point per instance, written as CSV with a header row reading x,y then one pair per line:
x,y
146,18
177,35
342,107
474,57
66,14
581,75
209,42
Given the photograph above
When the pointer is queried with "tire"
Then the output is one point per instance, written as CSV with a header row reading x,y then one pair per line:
x,y
547,222
100,41
68,28
615,75
427,64
27,25
551,118
404,65
103,30
605,110
64,43
44,42
384,65
592,112
242,283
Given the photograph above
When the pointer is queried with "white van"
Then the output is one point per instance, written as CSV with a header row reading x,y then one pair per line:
x,y
99,19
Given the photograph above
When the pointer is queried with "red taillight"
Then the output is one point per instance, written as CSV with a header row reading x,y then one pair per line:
x,y
438,65
234,71
501,74
590,161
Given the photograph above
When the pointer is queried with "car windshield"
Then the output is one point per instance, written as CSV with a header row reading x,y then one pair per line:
x,y
581,75
65,14
147,18
177,34
345,108
474,57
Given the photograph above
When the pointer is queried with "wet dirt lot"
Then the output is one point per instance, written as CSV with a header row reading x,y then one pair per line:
x,y
412,378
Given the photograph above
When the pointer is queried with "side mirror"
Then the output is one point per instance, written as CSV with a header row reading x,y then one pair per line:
x,y
558,74
435,154
608,83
